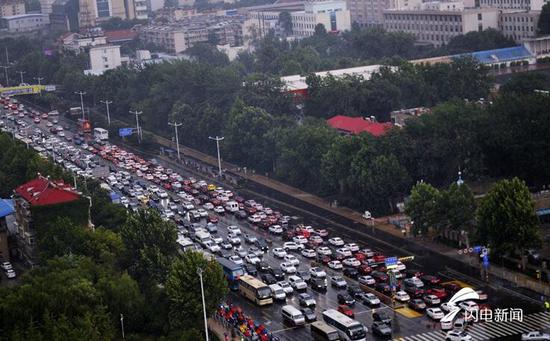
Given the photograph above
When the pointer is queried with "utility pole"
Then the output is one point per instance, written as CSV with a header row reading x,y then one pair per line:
x,y
199,272
122,324
107,102
176,125
39,79
21,73
218,139
138,128
6,73
81,93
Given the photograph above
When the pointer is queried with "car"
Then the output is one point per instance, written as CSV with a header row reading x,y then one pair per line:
x,y
321,233
306,300
277,273
335,265
451,288
212,247
233,239
468,306
435,313
352,247
366,280
457,335
288,268
380,316
279,252
292,246
291,259
219,210
431,299
262,266
437,291
258,252
352,262
379,276
370,299
534,335
336,241
250,239
212,228
299,239
308,253
309,314
324,250
430,279
6,266
234,230
252,259
287,288
482,295
338,282
208,206
10,273
316,239
417,304
275,229
297,283
317,272
351,272
344,252
381,329
402,296
345,298
226,245
318,283
202,212
240,251
346,310
414,281
236,259
268,279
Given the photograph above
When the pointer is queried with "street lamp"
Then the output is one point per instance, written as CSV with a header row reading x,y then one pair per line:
x,y
176,125
218,139
21,73
81,93
39,80
107,102
138,128
199,272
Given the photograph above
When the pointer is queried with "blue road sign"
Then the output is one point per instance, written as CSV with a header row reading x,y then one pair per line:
x,y
477,249
125,132
390,262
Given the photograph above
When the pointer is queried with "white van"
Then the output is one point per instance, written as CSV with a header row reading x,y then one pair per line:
x,y
202,237
277,292
232,206
293,315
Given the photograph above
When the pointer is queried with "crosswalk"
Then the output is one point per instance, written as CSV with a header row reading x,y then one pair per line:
x,y
491,330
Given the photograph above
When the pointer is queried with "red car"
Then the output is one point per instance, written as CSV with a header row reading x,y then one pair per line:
x,y
364,269
451,288
346,310
437,291
325,260
360,256
213,219
379,258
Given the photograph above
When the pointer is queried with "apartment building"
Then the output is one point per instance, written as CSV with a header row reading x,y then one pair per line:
x,y
527,5
103,58
24,23
519,24
437,27
370,13
12,7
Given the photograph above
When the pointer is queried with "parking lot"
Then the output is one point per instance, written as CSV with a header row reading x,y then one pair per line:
x,y
177,196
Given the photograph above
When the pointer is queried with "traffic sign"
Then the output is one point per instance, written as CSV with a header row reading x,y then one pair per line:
x,y
390,262
125,132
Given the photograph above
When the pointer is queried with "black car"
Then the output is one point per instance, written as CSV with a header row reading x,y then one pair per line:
x,y
319,284
355,291
417,304
309,314
261,244
381,329
277,273
225,253
383,288
268,279
305,275
241,214
346,299
381,316
263,266
351,272
250,269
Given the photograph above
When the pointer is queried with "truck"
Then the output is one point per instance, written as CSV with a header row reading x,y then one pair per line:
x,y
101,134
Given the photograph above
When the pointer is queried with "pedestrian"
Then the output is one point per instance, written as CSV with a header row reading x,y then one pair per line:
x,y
225,336
547,305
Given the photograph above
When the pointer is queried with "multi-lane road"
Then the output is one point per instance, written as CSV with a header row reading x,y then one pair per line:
x,y
406,324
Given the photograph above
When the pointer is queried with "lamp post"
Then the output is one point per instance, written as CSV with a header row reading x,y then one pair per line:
x,y
6,67
21,73
122,324
81,93
176,125
107,102
199,272
39,80
218,139
137,113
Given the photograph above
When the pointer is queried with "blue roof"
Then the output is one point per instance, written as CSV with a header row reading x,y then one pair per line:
x,y
114,196
506,54
6,207
543,211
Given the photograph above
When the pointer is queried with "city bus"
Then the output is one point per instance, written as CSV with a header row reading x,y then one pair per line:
x,y
255,290
323,332
348,329
232,272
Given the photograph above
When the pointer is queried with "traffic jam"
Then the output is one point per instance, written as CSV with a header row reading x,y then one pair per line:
x,y
293,279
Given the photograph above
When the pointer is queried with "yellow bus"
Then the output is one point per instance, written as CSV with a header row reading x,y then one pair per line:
x,y
255,290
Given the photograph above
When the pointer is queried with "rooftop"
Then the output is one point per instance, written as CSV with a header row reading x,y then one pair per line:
x,y
21,16
357,125
500,55
42,191
117,36
6,207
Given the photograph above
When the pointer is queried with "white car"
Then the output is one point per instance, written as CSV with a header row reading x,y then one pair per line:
x,y
292,260
402,296
300,240
344,251
217,239
335,265
233,239
203,212
292,246
446,307
287,288
297,283
212,247
435,313
352,246
237,260
279,252
252,259
371,299
6,265
317,272
401,266
457,335
432,300
254,219
10,273
276,229
288,268
208,206
351,262
338,282
219,209
535,335
368,252
308,253
366,280
469,306
336,241
324,250
234,230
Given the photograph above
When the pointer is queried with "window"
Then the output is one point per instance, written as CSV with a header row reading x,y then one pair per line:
x,y
479,17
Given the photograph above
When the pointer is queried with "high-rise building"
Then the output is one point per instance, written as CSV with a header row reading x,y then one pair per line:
x,y
11,7
518,24
64,15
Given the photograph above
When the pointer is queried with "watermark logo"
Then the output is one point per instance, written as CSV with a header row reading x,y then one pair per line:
x,y
498,315
464,294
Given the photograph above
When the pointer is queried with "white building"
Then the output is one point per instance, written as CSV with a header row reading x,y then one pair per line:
x,y
370,13
519,24
24,22
103,58
528,5
46,6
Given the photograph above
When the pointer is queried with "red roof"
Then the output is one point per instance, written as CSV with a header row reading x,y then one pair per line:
x,y
120,35
42,191
356,125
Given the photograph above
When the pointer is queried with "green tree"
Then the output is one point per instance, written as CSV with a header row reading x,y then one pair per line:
x,y
208,54
460,207
422,207
524,84
184,291
336,162
544,20
320,30
151,245
285,22
506,219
